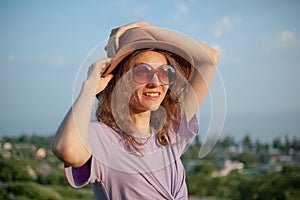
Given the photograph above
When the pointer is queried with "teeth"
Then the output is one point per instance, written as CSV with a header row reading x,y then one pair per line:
x,y
152,94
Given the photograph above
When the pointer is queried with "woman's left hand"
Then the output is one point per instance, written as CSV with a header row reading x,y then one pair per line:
x,y
113,42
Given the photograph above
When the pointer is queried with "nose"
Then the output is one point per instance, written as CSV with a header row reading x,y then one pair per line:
x,y
154,81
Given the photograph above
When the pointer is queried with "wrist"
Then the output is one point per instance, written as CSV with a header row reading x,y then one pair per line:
x,y
89,86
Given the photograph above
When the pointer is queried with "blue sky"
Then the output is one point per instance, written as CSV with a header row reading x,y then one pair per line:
x,y
43,43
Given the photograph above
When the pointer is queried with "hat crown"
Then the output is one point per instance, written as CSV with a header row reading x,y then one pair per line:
x,y
134,35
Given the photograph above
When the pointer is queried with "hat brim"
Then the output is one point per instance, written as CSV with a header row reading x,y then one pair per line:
x,y
161,45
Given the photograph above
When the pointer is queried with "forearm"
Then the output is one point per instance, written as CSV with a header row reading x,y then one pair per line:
x,y
71,140
71,143
205,66
198,88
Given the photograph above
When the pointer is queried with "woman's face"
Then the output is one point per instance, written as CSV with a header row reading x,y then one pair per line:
x,y
149,96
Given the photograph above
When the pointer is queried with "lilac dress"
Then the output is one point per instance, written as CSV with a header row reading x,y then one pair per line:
x,y
116,173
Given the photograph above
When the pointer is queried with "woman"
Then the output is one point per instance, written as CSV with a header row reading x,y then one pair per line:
x,y
149,92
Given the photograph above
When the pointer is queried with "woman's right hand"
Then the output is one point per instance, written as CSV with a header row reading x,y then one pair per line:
x,y
71,143
95,74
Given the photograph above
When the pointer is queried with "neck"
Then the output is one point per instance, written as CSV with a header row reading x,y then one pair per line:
x,y
142,122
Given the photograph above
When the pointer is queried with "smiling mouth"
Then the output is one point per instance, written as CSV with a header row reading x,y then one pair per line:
x,y
151,94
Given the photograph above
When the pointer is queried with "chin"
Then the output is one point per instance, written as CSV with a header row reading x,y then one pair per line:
x,y
154,107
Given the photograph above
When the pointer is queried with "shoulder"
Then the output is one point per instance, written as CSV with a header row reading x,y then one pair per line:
x,y
101,131
99,126
188,128
96,123
98,130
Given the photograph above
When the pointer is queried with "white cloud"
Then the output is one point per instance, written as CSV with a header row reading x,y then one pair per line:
x,y
285,39
42,60
8,60
57,61
287,36
11,57
182,7
60,61
225,24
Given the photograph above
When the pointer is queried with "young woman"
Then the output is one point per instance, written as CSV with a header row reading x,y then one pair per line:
x,y
149,92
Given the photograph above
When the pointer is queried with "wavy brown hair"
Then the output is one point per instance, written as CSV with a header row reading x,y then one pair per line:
x,y
171,102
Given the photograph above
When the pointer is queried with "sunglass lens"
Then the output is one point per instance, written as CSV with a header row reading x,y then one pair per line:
x,y
142,74
167,74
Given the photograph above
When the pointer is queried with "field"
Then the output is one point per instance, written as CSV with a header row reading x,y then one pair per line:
x,y
233,170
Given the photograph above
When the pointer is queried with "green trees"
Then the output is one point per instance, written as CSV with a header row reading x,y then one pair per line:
x,y
247,144
262,177
24,175
28,190
14,170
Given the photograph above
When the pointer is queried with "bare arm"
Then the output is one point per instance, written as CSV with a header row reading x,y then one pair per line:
x,y
201,79
71,140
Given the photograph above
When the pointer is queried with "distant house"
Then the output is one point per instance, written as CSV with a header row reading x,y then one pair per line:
x,y
5,150
274,156
297,157
286,159
228,167
7,146
40,153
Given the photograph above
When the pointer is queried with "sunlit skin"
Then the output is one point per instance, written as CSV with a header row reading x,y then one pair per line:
x,y
148,96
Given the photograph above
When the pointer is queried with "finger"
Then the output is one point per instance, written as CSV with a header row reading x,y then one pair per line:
x,y
102,65
106,64
98,68
107,77
116,43
102,62
104,69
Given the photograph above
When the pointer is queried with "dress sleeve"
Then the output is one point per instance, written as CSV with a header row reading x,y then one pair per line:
x,y
79,176
188,129
185,133
90,172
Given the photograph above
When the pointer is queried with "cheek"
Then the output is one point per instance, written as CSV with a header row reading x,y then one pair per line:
x,y
133,89
137,93
165,89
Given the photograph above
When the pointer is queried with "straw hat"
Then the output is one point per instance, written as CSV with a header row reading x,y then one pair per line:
x,y
158,38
